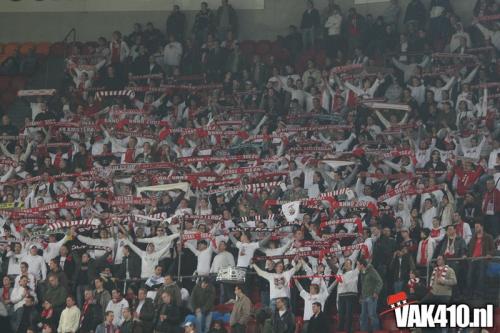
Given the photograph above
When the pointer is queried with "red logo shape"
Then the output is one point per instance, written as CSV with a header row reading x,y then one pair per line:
x,y
396,301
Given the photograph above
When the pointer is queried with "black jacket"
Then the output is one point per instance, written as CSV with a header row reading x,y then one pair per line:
x,y
146,315
69,266
383,249
283,324
132,326
310,19
176,24
459,246
90,318
318,323
134,267
171,322
400,271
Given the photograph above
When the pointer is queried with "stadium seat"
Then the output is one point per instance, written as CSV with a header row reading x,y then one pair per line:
x,y
389,323
10,48
25,48
4,83
43,49
18,83
247,47
263,47
87,46
224,308
3,57
58,49
251,326
8,97
279,52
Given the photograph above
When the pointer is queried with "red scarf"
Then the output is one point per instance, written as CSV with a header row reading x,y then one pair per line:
x,y
413,283
435,232
460,229
129,155
57,160
423,252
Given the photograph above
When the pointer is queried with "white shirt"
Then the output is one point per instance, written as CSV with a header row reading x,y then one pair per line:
x,y
37,266
222,260
427,217
70,320
172,54
245,253
52,250
18,295
117,309
349,282
204,259
310,299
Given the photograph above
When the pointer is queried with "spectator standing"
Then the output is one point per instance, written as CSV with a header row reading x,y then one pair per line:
x,y
203,299
481,245
333,24
226,20
442,280
310,25
91,314
371,285
176,23
203,23
107,326
70,317
318,321
240,315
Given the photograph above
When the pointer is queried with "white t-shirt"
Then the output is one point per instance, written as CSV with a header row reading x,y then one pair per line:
x,y
310,299
245,254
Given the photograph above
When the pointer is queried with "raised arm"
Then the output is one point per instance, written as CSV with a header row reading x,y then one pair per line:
x,y
134,248
262,273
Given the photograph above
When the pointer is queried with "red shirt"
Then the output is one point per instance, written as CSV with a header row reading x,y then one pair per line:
x,y
478,248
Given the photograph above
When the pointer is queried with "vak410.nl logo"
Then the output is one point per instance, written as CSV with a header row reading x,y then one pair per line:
x,y
416,315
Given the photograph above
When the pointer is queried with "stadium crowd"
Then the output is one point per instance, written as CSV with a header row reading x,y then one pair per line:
x,y
164,161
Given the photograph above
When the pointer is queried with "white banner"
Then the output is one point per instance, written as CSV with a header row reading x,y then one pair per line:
x,y
117,5
291,210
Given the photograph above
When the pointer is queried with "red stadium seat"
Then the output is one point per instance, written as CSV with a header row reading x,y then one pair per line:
x,y
247,47
224,308
4,83
251,326
58,49
8,97
25,48
10,48
43,49
18,83
389,323
263,47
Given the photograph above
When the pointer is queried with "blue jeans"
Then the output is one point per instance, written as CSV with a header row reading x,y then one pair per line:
x,y
369,311
264,298
203,321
